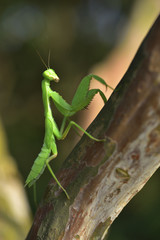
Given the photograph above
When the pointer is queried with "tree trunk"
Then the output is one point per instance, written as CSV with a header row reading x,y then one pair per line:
x,y
102,177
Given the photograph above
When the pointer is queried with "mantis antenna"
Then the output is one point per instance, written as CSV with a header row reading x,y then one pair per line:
x,y
49,57
42,60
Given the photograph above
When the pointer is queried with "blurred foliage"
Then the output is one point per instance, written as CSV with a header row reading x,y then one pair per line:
x,y
15,216
78,34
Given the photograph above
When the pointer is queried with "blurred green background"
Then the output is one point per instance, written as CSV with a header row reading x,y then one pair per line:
x,y
79,34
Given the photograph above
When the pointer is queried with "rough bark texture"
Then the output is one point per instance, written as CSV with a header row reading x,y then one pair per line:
x,y
101,178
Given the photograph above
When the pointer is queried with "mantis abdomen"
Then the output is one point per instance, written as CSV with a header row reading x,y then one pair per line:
x,y
38,166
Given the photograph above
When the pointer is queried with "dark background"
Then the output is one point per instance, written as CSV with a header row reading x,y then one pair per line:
x,y
78,34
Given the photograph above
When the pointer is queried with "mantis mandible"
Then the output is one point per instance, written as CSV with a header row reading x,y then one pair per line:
x,y
81,99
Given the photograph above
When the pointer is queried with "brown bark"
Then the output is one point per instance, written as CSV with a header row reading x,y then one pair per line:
x,y
101,178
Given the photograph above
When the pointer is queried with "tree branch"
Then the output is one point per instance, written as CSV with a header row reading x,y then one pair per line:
x,y
101,178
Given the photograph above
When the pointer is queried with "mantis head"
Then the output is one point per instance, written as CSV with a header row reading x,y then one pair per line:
x,y
50,75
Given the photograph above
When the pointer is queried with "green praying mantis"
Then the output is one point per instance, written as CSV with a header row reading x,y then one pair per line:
x,y
81,100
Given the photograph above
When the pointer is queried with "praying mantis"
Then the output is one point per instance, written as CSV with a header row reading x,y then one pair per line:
x,y
81,100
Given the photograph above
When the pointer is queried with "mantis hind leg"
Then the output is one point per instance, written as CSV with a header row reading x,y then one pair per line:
x,y
73,124
55,152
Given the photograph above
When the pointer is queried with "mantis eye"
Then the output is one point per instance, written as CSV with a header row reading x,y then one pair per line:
x,y
50,75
